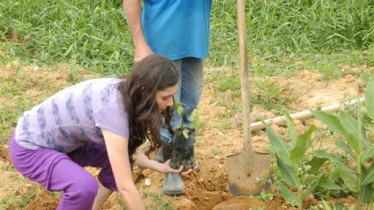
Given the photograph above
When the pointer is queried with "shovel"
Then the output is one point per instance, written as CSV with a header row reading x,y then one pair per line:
x,y
247,168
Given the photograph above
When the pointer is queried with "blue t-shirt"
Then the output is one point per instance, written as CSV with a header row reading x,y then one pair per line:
x,y
177,28
74,116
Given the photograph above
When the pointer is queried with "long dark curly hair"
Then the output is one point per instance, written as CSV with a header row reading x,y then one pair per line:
x,y
152,74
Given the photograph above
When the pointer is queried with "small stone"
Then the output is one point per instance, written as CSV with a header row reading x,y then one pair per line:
x,y
197,168
147,182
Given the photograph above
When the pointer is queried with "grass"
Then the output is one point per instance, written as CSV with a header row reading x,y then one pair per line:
x,y
283,27
22,195
94,34
161,203
28,87
80,32
271,96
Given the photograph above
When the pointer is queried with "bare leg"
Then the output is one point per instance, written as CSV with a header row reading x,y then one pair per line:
x,y
102,195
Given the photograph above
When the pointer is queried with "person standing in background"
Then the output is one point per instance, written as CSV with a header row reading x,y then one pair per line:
x,y
180,31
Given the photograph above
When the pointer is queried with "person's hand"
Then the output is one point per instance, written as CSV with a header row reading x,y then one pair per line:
x,y
142,161
142,52
186,174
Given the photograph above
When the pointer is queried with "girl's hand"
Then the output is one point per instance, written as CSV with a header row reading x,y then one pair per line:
x,y
142,161
169,169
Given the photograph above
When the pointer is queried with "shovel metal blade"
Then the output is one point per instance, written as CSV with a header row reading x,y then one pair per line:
x,y
248,173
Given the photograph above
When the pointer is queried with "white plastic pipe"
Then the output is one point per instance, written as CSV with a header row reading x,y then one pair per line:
x,y
303,114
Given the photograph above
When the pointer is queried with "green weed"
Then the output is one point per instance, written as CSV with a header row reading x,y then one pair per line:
x,y
81,32
354,142
298,174
215,151
271,96
94,34
160,202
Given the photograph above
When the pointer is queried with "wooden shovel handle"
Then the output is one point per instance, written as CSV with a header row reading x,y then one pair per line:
x,y
244,74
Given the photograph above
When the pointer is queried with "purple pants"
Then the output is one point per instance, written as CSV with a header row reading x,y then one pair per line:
x,y
58,171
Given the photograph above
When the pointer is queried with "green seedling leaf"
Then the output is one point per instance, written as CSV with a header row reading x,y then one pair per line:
x,y
366,190
288,174
334,125
315,164
180,110
310,189
291,129
345,147
369,98
287,194
331,121
367,193
328,185
185,133
340,206
350,125
348,175
365,142
368,154
279,146
302,145
368,175
326,205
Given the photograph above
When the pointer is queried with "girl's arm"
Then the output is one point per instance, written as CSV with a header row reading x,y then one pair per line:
x,y
117,148
142,160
